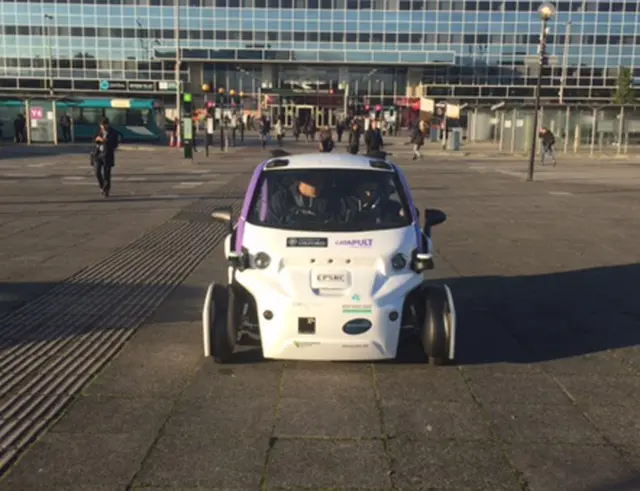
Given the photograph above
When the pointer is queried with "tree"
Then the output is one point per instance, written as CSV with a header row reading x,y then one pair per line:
x,y
625,93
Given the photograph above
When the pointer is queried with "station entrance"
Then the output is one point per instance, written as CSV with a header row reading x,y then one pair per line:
x,y
324,109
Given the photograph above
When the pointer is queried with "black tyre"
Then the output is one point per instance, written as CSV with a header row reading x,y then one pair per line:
x,y
221,346
435,337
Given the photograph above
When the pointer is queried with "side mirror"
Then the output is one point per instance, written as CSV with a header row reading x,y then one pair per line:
x,y
433,217
223,215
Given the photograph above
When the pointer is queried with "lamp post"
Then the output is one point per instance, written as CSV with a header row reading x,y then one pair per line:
x,y
54,113
178,80
565,61
546,11
47,33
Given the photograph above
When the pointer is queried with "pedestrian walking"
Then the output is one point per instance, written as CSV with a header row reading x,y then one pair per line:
x,y
340,126
353,146
265,129
279,132
65,126
373,138
106,142
417,139
325,143
234,128
548,140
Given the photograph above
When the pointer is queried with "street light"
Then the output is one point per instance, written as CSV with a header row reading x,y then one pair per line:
x,y
546,11
178,78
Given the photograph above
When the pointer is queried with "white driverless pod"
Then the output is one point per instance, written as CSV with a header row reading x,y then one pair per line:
x,y
327,262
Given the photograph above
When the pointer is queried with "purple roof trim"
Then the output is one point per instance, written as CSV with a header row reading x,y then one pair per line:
x,y
248,197
414,214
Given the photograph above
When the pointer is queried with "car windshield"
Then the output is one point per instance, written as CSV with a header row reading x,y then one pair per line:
x,y
330,200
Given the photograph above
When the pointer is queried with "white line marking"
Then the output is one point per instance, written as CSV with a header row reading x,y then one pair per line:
x,y
74,178
17,174
45,164
167,196
560,193
135,179
186,185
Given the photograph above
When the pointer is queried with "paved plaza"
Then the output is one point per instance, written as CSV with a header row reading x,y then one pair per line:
x,y
103,386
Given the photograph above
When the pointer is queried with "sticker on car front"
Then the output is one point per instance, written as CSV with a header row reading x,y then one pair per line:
x,y
307,242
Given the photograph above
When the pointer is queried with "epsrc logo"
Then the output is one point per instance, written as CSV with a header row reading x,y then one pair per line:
x,y
331,278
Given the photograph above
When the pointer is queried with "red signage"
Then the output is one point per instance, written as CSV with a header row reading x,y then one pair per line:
x,y
36,113
408,101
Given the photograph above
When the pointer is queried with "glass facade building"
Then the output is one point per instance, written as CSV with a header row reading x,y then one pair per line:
x,y
467,50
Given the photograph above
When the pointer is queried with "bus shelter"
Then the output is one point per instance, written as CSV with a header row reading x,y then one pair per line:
x,y
578,128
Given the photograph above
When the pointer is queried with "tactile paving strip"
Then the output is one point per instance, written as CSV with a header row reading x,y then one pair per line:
x,y
53,345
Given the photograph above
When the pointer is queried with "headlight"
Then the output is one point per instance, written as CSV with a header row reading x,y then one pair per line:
x,y
262,260
398,262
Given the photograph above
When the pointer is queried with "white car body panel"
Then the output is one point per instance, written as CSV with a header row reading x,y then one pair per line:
x,y
291,289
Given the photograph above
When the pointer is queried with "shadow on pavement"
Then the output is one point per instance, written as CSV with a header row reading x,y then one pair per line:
x,y
632,484
525,319
20,151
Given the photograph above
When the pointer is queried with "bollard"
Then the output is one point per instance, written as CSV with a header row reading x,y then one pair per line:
x,y
208,139
187,125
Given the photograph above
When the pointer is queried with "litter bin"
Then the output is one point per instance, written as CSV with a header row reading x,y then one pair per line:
x,y
454,139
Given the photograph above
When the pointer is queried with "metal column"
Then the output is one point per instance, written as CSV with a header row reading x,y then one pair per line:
x,y
620,130
593,131
567,128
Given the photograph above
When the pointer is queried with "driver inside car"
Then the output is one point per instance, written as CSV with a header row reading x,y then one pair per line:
x,y
369,203
304,198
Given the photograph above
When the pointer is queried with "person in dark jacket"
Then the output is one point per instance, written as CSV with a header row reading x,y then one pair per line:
x,y
313,129
106,142
265,129
295,127
373,138
325,143
417,140
354,139
303,200
548,141
20,128
340,125
370,205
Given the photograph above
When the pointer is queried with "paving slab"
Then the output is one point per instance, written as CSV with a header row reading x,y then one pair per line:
x,y
61,460
547,467
434,420
346,409
542,423
523,388
621,390
451,464
320,463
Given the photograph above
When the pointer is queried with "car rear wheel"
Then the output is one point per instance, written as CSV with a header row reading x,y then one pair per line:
x,y
435,329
